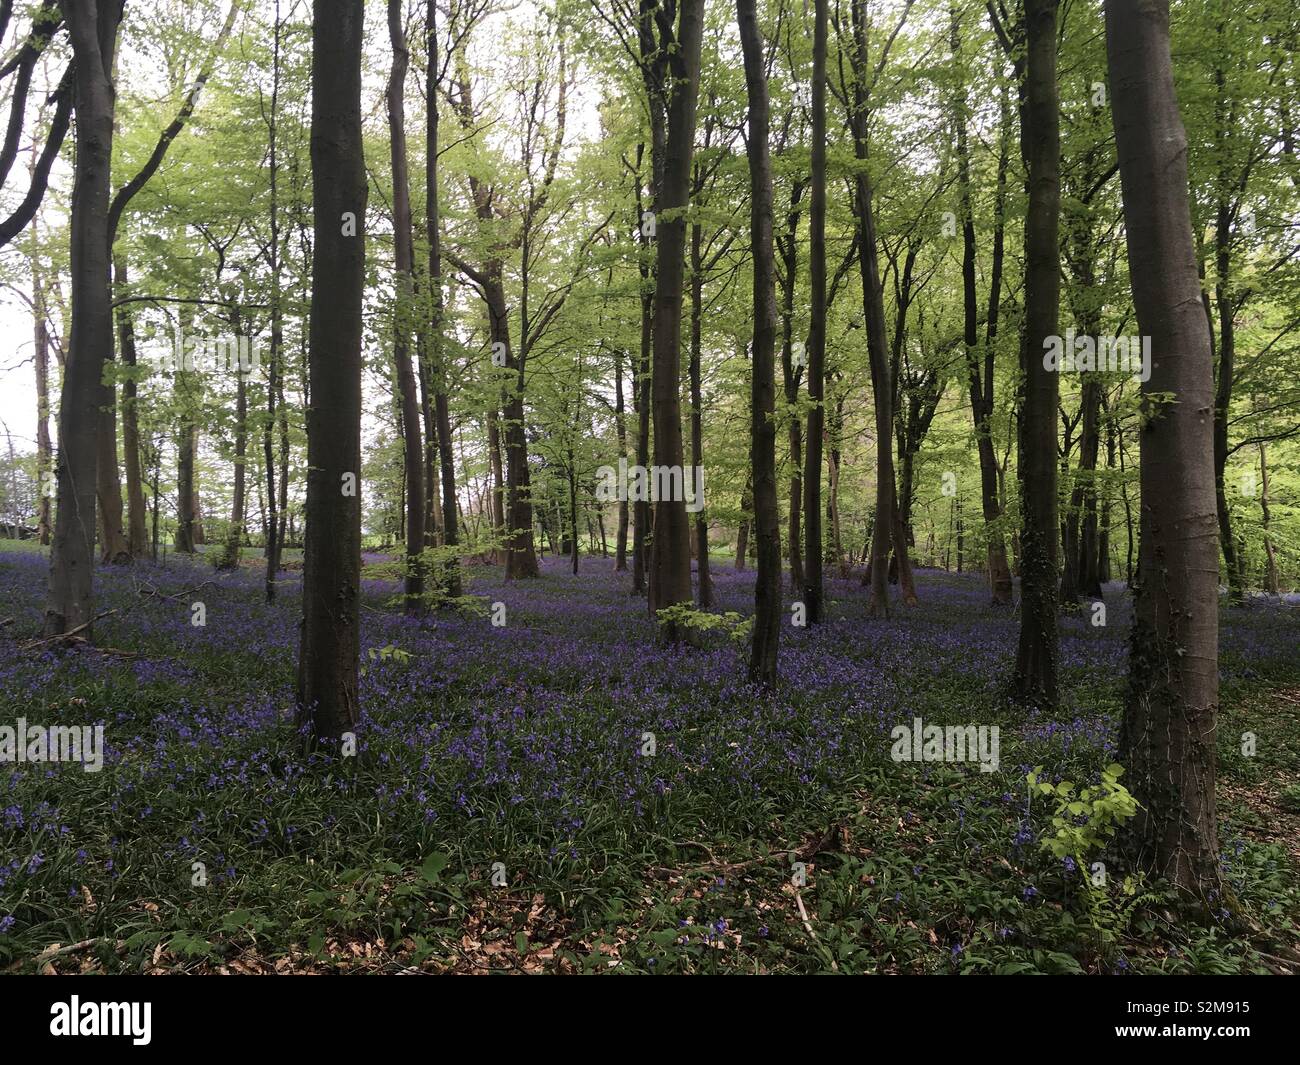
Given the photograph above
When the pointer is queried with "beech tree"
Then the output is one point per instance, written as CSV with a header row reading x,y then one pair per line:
x,y
767,528
70,607
670,553
1168,734
330,647
1038,653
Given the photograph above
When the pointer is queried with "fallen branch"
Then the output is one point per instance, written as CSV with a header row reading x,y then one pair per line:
x,y
803,854
62,637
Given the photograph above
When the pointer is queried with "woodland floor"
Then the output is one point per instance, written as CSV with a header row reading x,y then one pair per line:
x,y
521,745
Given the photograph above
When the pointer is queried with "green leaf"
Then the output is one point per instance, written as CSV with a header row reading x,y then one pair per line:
x,y
433,866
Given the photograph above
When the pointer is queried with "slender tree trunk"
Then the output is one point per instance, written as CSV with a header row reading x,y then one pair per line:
x,y
704,581
573,510
235,534
1038,653
1103,530
327,667
498,489
274,534
1088,581
434,351
404,263
137,535
873,310
41,358
641,512
620,425
814,593
1223,401
762,431
641,399
1271,585
1167,738
521,557
113,545
981,387
670,563
792,373
186,518
833,509
742,533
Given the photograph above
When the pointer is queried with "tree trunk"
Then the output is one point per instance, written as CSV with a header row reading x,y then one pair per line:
x,y
641,514
814,591
981,388
703,579
641,402
873,312
1271,584
620,425
498,489
93,29
1223,401
573,511
41,358
137,535
742,533
1083,501
327,665
1038,653
113,545
1167,739
404,263
186,518
791,374
235,534
437,370
274,370
1103,530
762,426
670,562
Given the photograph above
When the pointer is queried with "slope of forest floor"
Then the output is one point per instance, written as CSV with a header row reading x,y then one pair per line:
x,y
500,814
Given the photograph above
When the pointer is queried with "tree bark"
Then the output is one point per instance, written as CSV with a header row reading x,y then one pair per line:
x,y
328,658
703,579
93,28
670,562
981,378
437,370
814,591
235,534
873,312
762,426
792,373
742,533
1167,738
274,534
1038,654
137,535
41,358
620,425
404,263
1271,585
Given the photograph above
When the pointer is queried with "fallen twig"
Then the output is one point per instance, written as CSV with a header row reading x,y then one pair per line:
x,y
71,634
